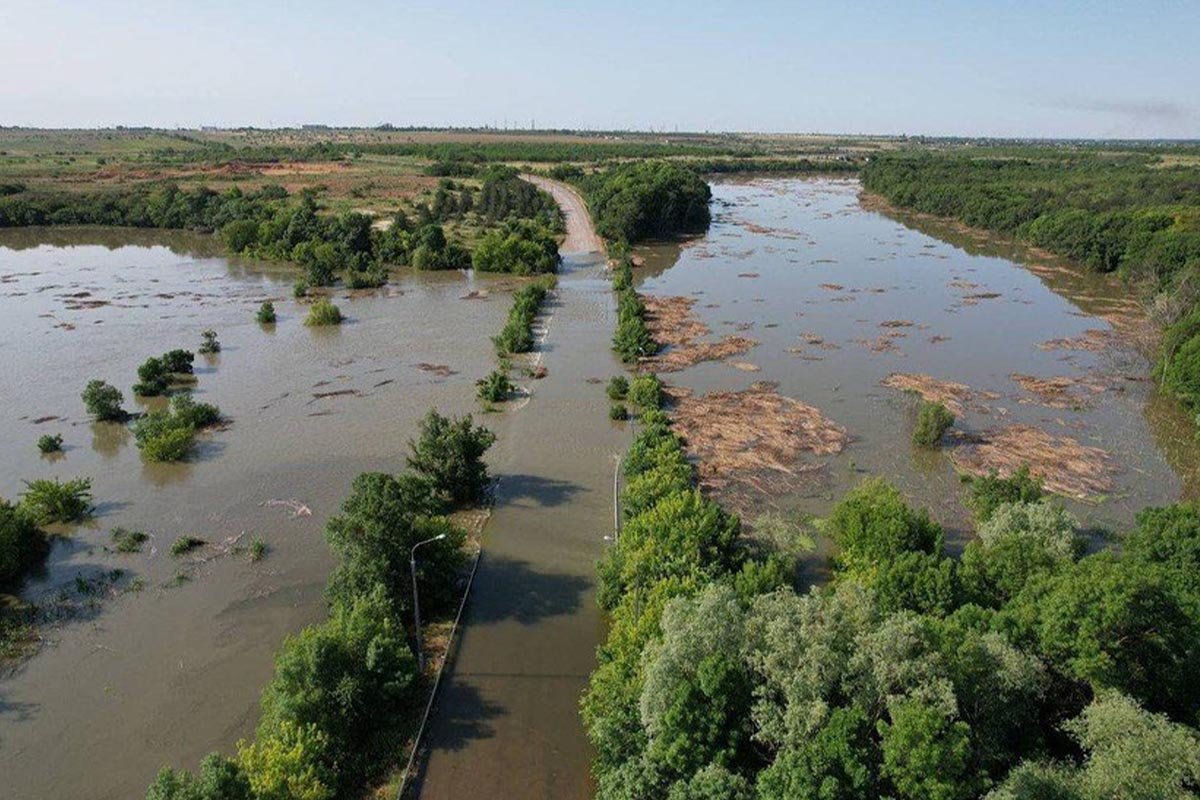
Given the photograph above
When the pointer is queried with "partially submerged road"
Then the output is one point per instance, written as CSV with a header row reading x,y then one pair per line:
x,y
507,722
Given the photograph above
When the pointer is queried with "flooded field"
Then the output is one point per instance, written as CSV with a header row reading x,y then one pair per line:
x,y
164,661
800,293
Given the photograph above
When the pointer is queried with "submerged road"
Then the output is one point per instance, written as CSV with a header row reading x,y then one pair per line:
x,y
506,724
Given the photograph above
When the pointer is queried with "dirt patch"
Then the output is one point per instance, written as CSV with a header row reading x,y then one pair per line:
x,y
1066,467
674,326
751,442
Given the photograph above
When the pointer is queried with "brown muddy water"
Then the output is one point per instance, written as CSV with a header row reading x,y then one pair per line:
x,y
131,679
839,297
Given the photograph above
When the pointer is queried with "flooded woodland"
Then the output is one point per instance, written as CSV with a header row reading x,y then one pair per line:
x,y
801,328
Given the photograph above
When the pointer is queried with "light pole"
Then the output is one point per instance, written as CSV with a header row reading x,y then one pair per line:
x,y
412,563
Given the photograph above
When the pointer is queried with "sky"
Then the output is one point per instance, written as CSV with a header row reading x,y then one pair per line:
x,y
1015,68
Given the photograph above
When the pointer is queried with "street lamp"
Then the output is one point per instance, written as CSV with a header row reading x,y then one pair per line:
x,y
412,563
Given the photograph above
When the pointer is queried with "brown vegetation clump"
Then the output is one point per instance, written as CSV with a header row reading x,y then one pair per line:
x,y
1093,340
954,396
1065,466
752,442
1058,392
672,324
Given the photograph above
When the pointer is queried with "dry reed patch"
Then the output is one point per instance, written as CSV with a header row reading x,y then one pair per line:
x,y
1066,467
1093,340
954,396
673,324
1058,392
752,441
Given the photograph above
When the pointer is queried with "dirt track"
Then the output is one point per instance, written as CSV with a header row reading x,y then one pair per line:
x,y
581,236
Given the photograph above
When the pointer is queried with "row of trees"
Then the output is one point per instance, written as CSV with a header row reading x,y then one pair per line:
x,y
1022,670
345,691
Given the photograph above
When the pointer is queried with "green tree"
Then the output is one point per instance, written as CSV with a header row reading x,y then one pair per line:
x,y
450,453
103,401
926,755
872,524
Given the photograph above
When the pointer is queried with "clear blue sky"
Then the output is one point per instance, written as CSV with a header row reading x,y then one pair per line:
x,y
1010,68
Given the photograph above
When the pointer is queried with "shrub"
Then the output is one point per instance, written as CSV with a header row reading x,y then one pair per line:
x,y
50,443
645,392
178,361
618,411
166,443
103,401
186,544
495,388
49,500
209,343
127,541
266,313
258,548
300,288
618,387
288,764
186,412
933,419
990,491
20,542
450,453
323,312
219,779
153,377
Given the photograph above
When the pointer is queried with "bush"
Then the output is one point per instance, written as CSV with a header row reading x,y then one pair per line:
x,y
50,443
645,392
266,313
520,248
186,544
1179,365
21,542
300,289
933,419
323,312
103,401
991,491
186,412
49,500
450,453
517,334
495,388
618,387
646,199
166,443
153,378
127,541
209,343
632,340
178,361
219,779
618,411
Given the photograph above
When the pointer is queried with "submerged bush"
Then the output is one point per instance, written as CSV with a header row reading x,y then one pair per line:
x,y
323,312
495,388
618,387
178,361
266,313
168,435
127,541
933,420
153,378
186,544
300,289
645,392
208,342
50,500
20,542
103,401
50,443
618,412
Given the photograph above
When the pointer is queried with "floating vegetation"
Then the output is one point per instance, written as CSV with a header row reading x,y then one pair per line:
x,y
1065,466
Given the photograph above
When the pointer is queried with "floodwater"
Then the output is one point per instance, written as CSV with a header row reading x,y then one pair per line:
x,y
134,678
838,297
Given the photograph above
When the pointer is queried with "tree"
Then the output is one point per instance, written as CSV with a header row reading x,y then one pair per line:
x,y
1016,543
1169,536
992,490
103,401
288,764
20,542
714,782
933,419
450,453
839,762
926,755
872,524
219,779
